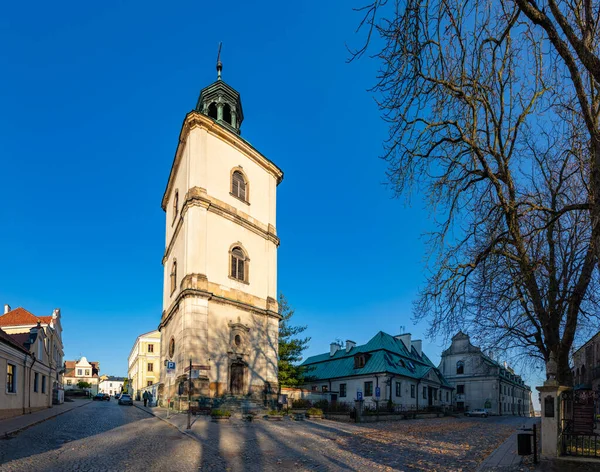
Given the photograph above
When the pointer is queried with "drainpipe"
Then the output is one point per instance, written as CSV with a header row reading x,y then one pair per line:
x,y
30,374
24,377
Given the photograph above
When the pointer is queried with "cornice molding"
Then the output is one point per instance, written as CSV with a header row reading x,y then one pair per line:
x,y
197,285
195,119
197,196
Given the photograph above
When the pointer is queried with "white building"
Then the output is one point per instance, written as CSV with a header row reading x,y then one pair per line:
x,y
111,385
220,262
396,365
481,382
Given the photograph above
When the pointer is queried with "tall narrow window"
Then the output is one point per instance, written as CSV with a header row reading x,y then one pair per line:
x,y
43,384
150,347
175,204
238,185
398,389
227,113
36,381
460,367
173,277
238,264
150,367
212,110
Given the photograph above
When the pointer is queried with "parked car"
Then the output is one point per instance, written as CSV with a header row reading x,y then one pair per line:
x,y
117,395
477,412
106,397
125,399
100,397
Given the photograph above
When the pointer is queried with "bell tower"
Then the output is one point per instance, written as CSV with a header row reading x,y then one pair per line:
x,y
222,103
220,261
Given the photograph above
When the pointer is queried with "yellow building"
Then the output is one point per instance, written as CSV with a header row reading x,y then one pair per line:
x,y
144,362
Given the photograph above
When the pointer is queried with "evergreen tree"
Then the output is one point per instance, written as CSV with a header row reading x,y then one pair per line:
x,y
291,374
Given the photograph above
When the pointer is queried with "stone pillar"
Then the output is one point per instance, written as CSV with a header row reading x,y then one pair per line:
x,y
551,418
359,410
220,111
233,118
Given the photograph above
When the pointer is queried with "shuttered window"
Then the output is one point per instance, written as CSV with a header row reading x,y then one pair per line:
x,y
238,185
238,264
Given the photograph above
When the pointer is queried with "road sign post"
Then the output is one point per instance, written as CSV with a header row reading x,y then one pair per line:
x,y
170,374
189,425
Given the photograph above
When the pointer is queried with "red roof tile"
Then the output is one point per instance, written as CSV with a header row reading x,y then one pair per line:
x,y
21,338
8,339
20,316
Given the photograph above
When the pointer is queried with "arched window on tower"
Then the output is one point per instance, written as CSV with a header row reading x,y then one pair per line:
x,y
173,277
212,110
239,264
238,185
227,113
583,379
460,367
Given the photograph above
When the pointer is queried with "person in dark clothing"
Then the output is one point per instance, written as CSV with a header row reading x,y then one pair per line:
x,y
145,398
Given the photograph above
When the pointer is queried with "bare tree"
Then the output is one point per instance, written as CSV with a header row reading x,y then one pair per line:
x,y
479,120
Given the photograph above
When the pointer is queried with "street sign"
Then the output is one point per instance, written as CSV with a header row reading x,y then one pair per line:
x,y
359,395
195,374
377,392
170,365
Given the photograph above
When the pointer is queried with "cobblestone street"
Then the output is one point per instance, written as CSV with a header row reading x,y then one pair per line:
x,y
103,436
100,436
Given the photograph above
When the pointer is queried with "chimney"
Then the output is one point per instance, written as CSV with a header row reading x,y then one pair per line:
x,y
418,344
350,345
56,313
6,309
405,338
333,348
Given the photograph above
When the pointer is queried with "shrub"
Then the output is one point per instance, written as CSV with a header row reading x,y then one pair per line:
x,y
276,412
220,413
322,405
314,412
301,403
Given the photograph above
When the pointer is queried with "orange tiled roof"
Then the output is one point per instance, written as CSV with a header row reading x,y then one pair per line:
x,y
20,316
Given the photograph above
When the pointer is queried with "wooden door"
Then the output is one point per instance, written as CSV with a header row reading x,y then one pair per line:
x,y
237,379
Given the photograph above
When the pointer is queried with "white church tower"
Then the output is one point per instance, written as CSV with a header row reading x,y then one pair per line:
x,y
220,260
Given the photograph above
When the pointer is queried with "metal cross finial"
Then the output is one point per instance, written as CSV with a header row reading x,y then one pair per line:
x,y
219,63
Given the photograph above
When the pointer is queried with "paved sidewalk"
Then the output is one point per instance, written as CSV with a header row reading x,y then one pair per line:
x,y
14,425
505,457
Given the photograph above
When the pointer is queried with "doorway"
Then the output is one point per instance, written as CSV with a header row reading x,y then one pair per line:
x,y
237,379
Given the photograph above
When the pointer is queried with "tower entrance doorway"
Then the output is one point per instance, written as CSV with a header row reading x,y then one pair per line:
x,y
237,379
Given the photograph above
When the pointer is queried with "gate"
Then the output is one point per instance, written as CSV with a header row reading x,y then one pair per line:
x,y
579,425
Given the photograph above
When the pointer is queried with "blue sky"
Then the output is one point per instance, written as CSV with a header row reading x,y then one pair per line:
x,y
92,99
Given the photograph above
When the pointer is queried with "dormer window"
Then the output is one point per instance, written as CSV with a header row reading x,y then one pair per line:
x,y
460,367
359,361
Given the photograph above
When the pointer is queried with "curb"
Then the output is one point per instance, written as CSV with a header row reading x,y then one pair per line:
x,y
184,432
14,432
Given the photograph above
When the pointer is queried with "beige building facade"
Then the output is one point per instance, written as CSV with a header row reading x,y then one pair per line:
x,y
26,380
19,322
220,262
482,382
144,364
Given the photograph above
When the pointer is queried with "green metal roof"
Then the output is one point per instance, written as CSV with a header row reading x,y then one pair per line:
x,y
386,355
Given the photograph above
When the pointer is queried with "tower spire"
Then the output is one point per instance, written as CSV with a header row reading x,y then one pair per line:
x,y
219,63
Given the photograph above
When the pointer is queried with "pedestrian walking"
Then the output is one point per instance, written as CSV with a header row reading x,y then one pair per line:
x,y
145,398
